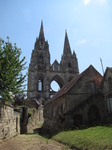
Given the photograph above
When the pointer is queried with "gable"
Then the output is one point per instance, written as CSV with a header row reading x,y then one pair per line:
x,y
89,80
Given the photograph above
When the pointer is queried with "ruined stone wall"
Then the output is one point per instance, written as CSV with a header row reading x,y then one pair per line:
x,y
35,118
9,122
89,112
53,114
61,113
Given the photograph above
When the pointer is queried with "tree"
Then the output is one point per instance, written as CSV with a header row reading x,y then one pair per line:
x,y
11,68
19,99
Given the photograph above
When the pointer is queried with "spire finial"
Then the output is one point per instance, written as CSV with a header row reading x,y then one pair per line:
x,y
41,35
41,24
67,48
41,21
65,31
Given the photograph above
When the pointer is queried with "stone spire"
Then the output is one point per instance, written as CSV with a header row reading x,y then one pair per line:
x,y
67,49
41,35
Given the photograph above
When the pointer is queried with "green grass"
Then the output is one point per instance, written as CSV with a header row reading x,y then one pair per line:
x,y
94,138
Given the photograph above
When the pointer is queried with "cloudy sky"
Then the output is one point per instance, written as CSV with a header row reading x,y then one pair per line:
x,y
88,24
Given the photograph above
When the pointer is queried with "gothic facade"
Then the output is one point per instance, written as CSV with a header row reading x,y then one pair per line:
x,y
42,73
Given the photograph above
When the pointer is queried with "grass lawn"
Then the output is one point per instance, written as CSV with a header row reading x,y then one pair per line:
x,y
94,138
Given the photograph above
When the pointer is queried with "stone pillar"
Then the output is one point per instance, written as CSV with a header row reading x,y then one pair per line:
x,y
40,113
24,120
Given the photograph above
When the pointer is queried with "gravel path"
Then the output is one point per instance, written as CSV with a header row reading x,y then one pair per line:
x,y
31,142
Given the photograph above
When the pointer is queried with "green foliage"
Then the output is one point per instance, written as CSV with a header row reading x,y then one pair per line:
x,y
11,67
29,114
97,138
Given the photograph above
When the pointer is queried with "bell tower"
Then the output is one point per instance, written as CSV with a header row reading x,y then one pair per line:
x,y
39,68
69,63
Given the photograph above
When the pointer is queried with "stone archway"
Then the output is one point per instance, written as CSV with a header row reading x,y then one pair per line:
x,y
59,81
94,115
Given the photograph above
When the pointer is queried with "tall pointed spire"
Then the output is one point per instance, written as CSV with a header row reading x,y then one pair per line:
x,y
41,35
67,49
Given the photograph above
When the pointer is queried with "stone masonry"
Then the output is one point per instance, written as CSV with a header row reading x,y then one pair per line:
x,y
42,73
9,121
78,103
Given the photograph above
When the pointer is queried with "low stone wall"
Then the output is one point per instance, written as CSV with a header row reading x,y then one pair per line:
x,y
9,121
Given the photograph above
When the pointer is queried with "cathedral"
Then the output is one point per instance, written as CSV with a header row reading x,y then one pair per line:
x,y
42,72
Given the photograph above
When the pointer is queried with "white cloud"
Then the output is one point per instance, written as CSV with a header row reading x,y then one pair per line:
x,y
86,2
102,1
82,42
97,2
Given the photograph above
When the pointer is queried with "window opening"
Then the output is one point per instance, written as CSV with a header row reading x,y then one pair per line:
x,y
39,68
69,64
40,85
93,87
109,104
41,41
41,58
53,67
58,67
55,86
109,80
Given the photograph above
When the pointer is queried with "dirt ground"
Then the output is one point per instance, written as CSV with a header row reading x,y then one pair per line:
x,y
31,142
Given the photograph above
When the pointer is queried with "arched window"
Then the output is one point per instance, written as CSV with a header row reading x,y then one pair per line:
x,y
53,67
42,68
55,86
41,41
93,87
110,81
69,64
58,67
39,68
40,85
41,58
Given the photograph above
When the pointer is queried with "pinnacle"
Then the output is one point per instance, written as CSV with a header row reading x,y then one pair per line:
x,y
67,49
41,35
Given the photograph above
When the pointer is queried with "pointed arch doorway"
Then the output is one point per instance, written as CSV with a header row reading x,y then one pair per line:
x,y
55,85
